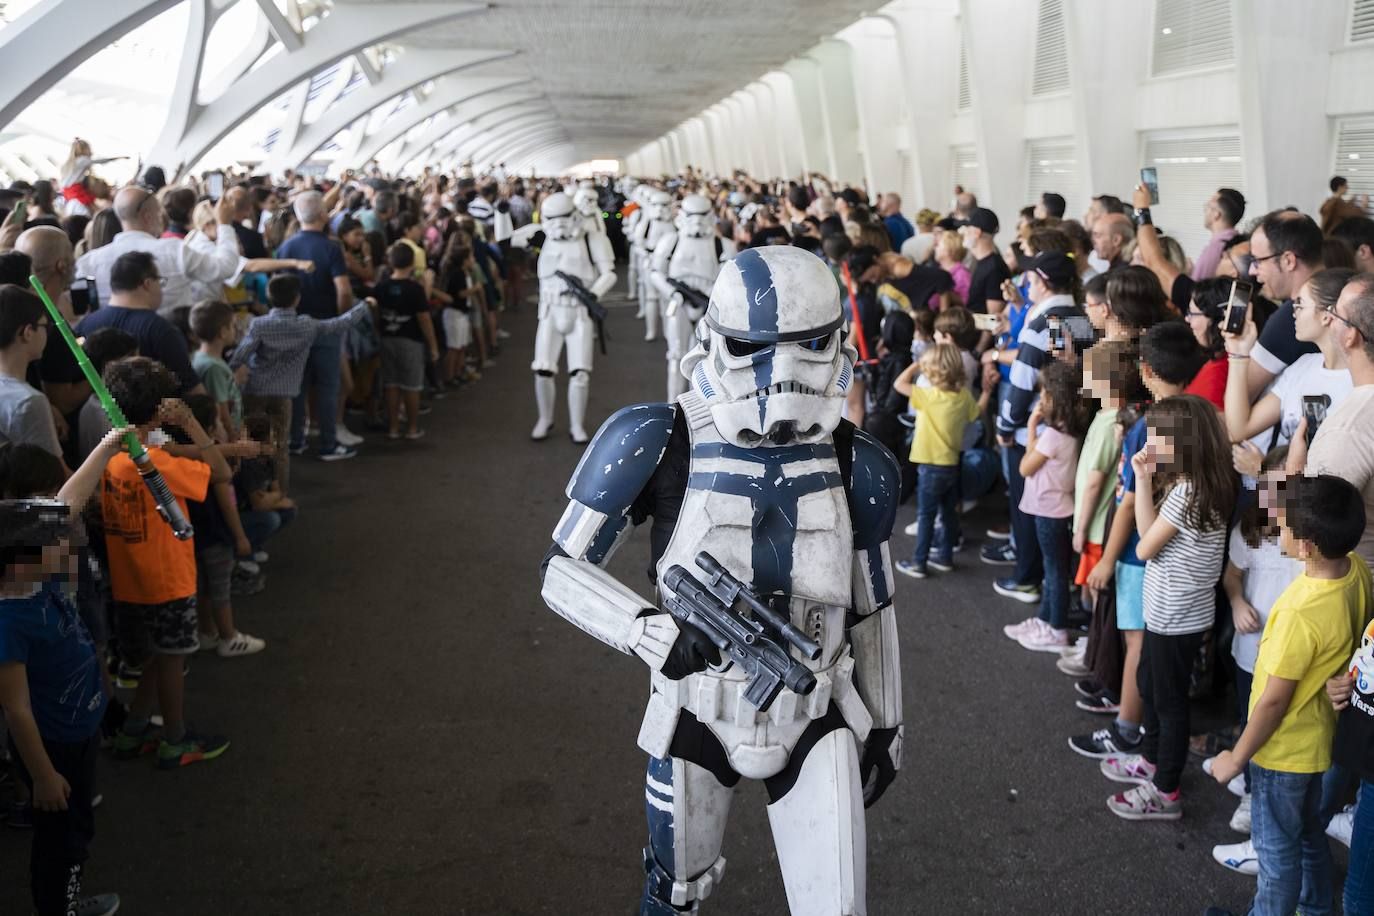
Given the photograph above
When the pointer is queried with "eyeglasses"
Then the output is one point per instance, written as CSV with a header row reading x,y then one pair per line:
x,y
1255,259
160,281
1345,321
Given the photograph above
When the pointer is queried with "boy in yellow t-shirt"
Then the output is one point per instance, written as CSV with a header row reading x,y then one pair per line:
x,y
945,407
1312,629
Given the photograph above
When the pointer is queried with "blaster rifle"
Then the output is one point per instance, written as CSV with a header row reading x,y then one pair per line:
x,y
710,606
693,298
167,505
593,305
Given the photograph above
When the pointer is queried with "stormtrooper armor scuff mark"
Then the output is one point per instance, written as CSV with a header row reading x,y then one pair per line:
x,y
563,319
690,253
753,465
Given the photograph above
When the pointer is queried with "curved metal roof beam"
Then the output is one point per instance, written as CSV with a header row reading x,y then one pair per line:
x,y
461,141
190,133
493,148
464,112
409,71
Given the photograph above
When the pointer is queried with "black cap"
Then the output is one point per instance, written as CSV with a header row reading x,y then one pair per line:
x,y
1054,267
984,219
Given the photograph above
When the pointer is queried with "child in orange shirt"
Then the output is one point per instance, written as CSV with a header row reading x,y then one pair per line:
x,y
152,574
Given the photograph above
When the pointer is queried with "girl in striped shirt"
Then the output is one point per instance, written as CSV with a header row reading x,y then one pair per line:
x,y
1186,465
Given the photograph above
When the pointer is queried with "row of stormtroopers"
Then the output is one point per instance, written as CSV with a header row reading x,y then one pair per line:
x,y
690,253
649,230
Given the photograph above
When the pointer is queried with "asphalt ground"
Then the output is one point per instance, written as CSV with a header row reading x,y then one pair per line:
x,y
422,736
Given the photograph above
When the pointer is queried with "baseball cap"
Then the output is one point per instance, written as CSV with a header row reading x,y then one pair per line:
x,y
982,218
1054,267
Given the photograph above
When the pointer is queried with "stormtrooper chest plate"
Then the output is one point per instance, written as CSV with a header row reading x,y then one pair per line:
x,y
774,517
694,262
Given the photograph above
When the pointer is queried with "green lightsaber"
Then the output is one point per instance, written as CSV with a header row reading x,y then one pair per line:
x,y
167,505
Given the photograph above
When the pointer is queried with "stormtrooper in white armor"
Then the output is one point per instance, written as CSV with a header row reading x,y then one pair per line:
x,y
657,223
689,253
564,320
754,466
588,204
635,227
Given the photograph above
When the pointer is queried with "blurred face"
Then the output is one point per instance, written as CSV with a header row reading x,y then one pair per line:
x,y
1105,241
1038,290
1097,310
1160,448
1095,387
353,238
1308,315
1267,267
1092,215
1211,213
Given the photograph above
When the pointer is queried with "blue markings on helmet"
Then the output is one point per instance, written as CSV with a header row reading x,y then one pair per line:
x,y
762,295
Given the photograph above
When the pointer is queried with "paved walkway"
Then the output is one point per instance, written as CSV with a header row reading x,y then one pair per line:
x,y
422,736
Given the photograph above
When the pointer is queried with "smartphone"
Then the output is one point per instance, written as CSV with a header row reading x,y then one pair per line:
x,y
84,298
1056,328
21,212
985,322
1314,407
214,185
1149,177
1238,306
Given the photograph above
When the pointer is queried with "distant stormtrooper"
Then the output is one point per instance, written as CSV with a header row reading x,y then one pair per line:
x,y
588,203
658,222
690,253
563,318
771,520
635,227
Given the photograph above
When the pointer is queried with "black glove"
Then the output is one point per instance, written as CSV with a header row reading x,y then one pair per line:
x,y
691,653
876,769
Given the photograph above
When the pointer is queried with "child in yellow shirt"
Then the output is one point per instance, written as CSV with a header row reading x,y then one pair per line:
x,y
1312,629
945,407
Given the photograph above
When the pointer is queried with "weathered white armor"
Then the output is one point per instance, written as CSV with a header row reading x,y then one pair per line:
x,y
690,254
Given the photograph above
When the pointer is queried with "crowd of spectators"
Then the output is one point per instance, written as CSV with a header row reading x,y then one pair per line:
x,y
235,331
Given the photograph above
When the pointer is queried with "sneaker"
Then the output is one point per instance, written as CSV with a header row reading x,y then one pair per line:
x,y
296,449
958,545
260,556
1240,821
910,530
999,534
1144,803
1073,666
941,565
418,434
244,583
967,506
1239,857
128,676
247,567
99,905
1101,705
1087,687
241,644
1105,742
131,747
1077,650
339,453
1010,588
502,334
1130,768
1000,554
208,641
1017,630
1342,825
424,411
346,437
1045,639
914,570
191,749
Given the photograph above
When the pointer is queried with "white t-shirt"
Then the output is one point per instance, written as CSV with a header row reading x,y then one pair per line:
x,y
1266,573
1307,376
1344,446
1180,580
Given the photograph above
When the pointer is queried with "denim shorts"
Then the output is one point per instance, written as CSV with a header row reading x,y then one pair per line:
x,y
1130,596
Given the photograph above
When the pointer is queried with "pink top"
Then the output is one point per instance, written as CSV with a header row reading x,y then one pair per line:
x,y
1049,491
962,279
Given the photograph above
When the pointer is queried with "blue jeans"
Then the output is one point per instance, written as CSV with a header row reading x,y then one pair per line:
x,y
1055,539
321,373
937,492
1359,879
1290,843
259,525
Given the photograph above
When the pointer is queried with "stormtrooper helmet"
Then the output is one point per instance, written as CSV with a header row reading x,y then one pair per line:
x,y
770,360
660,206
586,201
556,216
694,220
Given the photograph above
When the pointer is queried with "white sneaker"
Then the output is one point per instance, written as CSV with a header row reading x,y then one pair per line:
x,y
208,641
1239,857
242,644
1342,825
345,436
1017,630
260,556
1240,821
910,530
1044,638
1073,666
1078,650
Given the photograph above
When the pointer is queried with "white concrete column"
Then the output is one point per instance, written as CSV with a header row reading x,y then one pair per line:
x,y
842,121
791,135
879,101
1000,37
927,33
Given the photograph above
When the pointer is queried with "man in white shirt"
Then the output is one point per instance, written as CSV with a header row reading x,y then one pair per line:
x,y
141,216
